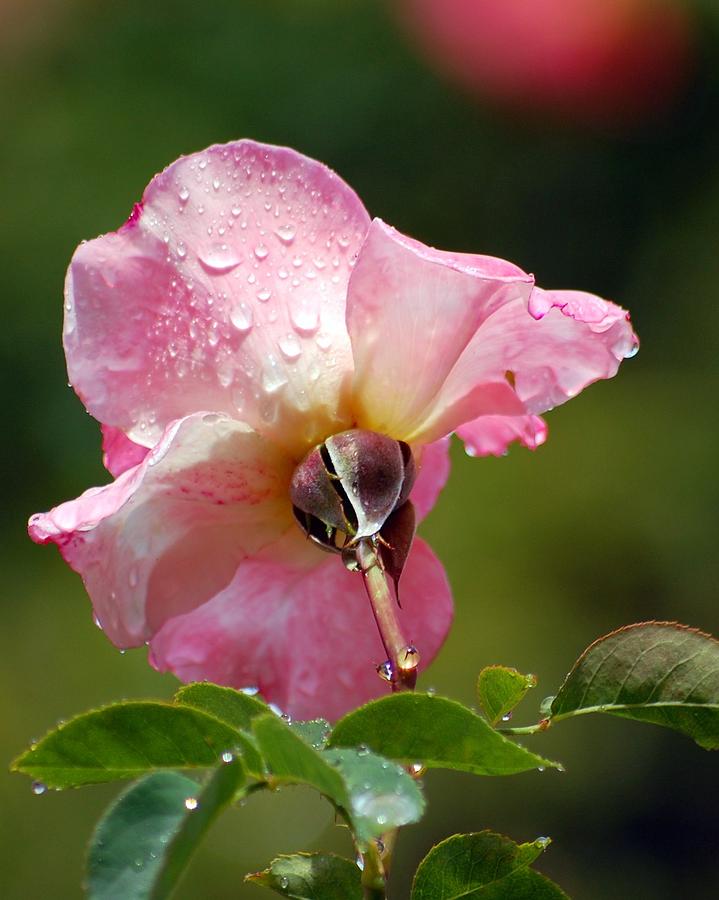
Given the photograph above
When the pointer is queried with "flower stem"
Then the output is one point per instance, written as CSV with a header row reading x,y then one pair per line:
x,y
403,658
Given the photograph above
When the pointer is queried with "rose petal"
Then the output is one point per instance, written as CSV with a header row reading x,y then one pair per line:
x,y
307,640
492,435
546,351
434,465
411,312
119,453
170,533
225,290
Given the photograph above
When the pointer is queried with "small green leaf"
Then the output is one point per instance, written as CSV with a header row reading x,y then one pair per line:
x,y
311,876
291,760
657,672
500,689
483,866
381,793
226,704
127,740
439,733
314,732
374,793
143,843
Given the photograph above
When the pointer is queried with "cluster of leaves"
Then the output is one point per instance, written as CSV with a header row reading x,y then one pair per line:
x,y
365,766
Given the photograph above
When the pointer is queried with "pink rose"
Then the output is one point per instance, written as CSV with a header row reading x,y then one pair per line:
x,y
248,310
605,61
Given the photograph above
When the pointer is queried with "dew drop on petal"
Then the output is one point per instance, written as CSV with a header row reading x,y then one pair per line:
x,y
273,376
184,195
286,233
264,295
305,317
191,803
217,259
290,347
241,317
261,251
227,756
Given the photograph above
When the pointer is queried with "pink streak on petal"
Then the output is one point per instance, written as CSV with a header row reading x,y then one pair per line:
x,y
170,532
434,465
411,312
225,290
306,639
492,435
119,453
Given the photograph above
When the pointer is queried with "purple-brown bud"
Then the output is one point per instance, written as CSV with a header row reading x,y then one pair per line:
x,y
346,489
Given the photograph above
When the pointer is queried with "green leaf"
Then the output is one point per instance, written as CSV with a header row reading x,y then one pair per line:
x,y
289,759
657,672
314,732
500,689
374,793
127,740
311,876
143,843
439,733
226,704
485,866
381,793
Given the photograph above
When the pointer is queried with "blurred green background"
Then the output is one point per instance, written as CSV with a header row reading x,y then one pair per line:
x,y
613,521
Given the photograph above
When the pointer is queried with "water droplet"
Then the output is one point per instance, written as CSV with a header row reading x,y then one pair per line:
x,y
633,350
543,842
273,376
359,862
363,750
507,716
97,622
181,250
385,671
227,756
284,882
324,340
184,195
241,317
540,768
264,295
133,577
305,317
431,691
290,347
38,788
219,259
216,184
417,770
261,251
191,803
408,658
286,233
236,210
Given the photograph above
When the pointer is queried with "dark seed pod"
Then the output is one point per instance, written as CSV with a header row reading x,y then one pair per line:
x,y
347,488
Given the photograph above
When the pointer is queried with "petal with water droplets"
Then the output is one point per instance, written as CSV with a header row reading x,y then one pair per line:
x,y
230,251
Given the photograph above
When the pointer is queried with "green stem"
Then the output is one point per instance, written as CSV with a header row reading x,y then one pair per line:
x,y
402,657
526,729
374,876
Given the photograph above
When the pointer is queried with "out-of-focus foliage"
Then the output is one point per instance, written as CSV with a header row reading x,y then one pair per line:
x,y
613,521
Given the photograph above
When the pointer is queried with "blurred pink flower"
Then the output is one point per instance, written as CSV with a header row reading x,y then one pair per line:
x,y
602,61
247,310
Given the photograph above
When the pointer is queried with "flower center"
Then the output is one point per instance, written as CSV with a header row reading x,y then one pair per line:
x,y
350,487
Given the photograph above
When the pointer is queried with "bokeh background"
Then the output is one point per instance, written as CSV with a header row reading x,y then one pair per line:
x,y
613,521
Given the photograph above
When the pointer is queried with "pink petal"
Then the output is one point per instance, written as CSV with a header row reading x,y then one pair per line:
x,y
546,351
307,640
170,533
119,453
411,312
492,435
434,465
225,290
